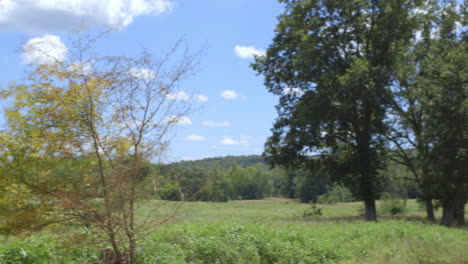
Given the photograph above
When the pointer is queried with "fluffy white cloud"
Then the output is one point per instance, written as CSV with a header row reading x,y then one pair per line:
x,y
142,73
44,50
194,138
180,120
179,95
243,141
293,91
49,15
210,123
230,95
201,98
248,51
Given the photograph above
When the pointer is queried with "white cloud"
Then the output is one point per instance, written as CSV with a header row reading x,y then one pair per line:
x,y
210,123
243,141
142,73
248,51
293,91
194,138
201,98
229,141
179,95
49,15
48,49
180,120
230,95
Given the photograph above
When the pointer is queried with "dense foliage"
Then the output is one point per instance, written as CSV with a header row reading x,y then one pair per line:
x,y
331,63
429,114
223,162
364,79
223,179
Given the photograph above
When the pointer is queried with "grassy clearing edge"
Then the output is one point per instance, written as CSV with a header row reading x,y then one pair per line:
x,y
256,242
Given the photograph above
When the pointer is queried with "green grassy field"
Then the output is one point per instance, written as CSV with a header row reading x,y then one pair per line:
x,y
280,209
264,231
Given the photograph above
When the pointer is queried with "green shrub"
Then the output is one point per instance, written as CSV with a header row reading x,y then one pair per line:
x,y
36,250
392,205
26,252
313,210
170,191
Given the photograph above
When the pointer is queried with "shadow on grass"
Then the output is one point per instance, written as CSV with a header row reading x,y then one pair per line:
x,y
355,218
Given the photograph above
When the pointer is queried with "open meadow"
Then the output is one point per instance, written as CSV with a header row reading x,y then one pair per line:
x,y
229,132
272,230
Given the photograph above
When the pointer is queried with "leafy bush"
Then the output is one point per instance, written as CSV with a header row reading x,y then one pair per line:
x,y
392,205
170,191
26,252
313,210
39,250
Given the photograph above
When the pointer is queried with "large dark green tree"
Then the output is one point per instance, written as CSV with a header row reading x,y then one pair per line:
x,y
430,106
447,126
445,84
407,141
332,62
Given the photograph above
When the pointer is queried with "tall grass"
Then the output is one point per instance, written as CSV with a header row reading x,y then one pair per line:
x,y
267,231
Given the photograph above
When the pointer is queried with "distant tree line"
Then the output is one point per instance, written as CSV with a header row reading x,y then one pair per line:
x,y
224,179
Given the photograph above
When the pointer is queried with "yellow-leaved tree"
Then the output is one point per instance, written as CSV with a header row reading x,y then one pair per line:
x,y
77,135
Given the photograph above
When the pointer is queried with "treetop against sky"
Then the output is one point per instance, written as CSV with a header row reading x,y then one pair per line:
x,y
233,111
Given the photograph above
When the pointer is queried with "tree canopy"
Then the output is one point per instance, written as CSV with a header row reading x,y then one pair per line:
x,y
331,63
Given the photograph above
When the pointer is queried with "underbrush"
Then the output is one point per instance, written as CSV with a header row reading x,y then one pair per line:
x,y
38,250
261,242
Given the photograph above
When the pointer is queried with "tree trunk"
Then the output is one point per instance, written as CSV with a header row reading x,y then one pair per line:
x,y
447,214
429,209
460,213
132,250
113,254
370,210
109,256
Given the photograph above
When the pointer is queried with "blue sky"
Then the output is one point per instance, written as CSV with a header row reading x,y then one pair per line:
x,y
237,123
